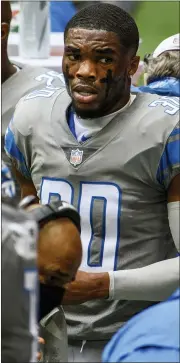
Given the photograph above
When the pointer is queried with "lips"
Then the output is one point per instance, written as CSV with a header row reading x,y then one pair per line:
x,y
84,94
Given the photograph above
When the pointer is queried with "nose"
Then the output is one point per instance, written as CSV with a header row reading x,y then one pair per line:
x,y
86,71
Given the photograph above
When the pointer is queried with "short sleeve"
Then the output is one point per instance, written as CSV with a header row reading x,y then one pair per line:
x,y
13,150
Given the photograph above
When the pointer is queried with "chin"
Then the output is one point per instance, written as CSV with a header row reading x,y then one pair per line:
x,y
87,111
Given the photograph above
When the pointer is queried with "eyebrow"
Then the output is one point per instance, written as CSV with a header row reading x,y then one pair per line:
x,y
105,51
98,50
72,49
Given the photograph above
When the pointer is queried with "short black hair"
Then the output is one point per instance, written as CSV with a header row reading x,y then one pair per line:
x,y
108,17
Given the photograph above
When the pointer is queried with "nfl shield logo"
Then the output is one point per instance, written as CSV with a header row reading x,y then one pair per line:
x,y
76,157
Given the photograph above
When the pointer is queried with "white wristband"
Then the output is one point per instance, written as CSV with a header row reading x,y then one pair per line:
x,y
155,282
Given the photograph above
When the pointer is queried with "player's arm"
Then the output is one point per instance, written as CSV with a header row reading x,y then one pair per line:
x,y
159,280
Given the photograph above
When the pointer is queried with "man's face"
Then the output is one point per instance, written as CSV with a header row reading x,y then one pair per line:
x,y
97,71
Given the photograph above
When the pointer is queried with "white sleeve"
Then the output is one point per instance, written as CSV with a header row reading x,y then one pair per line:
x,y
155,282
174,220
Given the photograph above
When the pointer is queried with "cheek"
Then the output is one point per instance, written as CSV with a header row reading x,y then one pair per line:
x,y
69,69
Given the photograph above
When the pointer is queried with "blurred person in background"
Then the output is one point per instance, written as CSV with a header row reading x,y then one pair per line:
x,y
17,80
162,70
61,12
151,336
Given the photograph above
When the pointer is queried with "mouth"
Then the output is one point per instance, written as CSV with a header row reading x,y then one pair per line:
x,y
84,94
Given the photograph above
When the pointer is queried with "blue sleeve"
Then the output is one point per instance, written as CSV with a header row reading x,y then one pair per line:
x,y
152,354
117,352
14,153
169,165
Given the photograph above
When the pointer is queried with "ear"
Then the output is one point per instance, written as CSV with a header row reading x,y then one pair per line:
x,y
4,31
134,65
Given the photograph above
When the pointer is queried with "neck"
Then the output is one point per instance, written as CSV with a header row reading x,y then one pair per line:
x,y
7,69
120,103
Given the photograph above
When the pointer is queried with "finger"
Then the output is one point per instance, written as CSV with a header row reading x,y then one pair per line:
x,y
41,340
38,356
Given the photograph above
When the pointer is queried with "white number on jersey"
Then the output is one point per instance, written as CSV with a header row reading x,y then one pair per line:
x,y
49,89
49,77
171,104
110,196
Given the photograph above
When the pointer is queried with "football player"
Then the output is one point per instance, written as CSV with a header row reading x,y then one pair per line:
x,y
115,156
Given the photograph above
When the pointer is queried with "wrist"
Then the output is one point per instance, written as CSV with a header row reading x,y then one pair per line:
x,y
100,282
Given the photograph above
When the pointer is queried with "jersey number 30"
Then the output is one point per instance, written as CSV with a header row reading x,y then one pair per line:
x,y
99,205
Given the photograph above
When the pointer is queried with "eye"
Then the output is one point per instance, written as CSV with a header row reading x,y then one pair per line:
x,y
74,57
106,60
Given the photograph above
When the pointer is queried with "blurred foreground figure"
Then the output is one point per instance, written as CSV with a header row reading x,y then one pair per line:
x,y
151,336
56,250
18,279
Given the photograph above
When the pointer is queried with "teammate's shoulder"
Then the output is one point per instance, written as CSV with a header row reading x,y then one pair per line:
x,y
36,106
158,115
162,105
45,76
50,84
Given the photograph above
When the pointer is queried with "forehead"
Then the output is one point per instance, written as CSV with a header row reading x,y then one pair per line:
x,y
87,37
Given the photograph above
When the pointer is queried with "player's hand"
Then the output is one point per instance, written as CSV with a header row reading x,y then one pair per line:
x,y
87,286
39,354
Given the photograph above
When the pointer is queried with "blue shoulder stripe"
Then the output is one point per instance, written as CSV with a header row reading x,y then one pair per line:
x,y
175,132
13,151
170,157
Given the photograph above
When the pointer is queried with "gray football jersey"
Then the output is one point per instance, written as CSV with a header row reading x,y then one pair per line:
x,y
117,179
18,286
